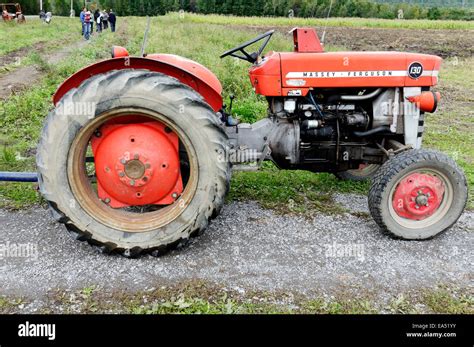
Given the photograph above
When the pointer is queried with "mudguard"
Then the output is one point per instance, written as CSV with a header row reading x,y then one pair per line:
x,y
185,70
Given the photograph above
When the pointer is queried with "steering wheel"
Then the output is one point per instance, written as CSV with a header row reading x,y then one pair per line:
x,y
252,57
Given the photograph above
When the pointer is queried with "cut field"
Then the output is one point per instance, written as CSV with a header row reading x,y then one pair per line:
x,y
332,22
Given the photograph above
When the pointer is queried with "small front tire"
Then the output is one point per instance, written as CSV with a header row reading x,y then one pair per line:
x,y
418,194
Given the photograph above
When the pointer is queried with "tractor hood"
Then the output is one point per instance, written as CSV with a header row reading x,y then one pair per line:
x,y
293,73
308,66
359,69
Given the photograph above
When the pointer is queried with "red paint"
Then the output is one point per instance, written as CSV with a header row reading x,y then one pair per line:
x,y
119,52
265,76
339,70
190,66
306,40
190,73
415,185
153,147
426,101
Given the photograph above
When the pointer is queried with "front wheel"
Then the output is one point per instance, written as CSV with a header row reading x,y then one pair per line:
x,y
418,194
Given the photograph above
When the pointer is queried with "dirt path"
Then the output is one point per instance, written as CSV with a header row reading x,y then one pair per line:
x,y
24,77
248,248
17,55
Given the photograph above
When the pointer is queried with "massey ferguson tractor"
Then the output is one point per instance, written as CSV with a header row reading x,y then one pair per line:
x,y
137,155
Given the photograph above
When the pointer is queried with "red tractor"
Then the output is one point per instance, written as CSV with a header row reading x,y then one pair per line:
x,y
137,155
10,16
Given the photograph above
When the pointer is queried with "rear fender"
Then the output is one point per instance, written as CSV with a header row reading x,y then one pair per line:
x,y
187,71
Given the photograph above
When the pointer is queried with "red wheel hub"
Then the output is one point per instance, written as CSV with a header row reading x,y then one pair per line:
x,y
137,164
418,196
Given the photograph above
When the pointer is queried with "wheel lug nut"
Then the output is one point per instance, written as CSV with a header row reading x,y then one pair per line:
x,y
123,161
174,195
136,156
417,207
121,174
107,200
148,166
132,182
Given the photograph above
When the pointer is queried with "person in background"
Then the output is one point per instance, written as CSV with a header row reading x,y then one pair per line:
x,y
92,23
87,24
105,20
81,16
112,20
97,21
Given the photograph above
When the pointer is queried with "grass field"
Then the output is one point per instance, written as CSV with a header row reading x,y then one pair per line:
x,y
33,32
337,22
204,38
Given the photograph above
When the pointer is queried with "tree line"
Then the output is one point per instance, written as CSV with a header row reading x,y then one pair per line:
x,y
297,8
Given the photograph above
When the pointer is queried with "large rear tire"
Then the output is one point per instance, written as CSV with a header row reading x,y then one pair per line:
x,y
128,93
418,194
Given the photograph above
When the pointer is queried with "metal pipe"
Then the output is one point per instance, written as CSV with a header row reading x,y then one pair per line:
x,y
372,131
18,176
361,97
334,98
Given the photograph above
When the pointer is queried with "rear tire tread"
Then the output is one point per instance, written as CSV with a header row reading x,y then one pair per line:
x,y
135,81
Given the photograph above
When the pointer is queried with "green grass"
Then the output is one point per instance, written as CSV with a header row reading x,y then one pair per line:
x,y
346,22
443,301
22,116
17,36
10,305
300,192
199,297
451,128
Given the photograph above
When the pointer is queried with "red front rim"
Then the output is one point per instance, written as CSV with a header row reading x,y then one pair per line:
x,y
418,196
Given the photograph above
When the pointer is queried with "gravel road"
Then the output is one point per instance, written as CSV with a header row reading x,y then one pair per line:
x,y
247,247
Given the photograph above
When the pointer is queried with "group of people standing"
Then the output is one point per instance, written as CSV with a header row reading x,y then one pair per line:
x,y
101,18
